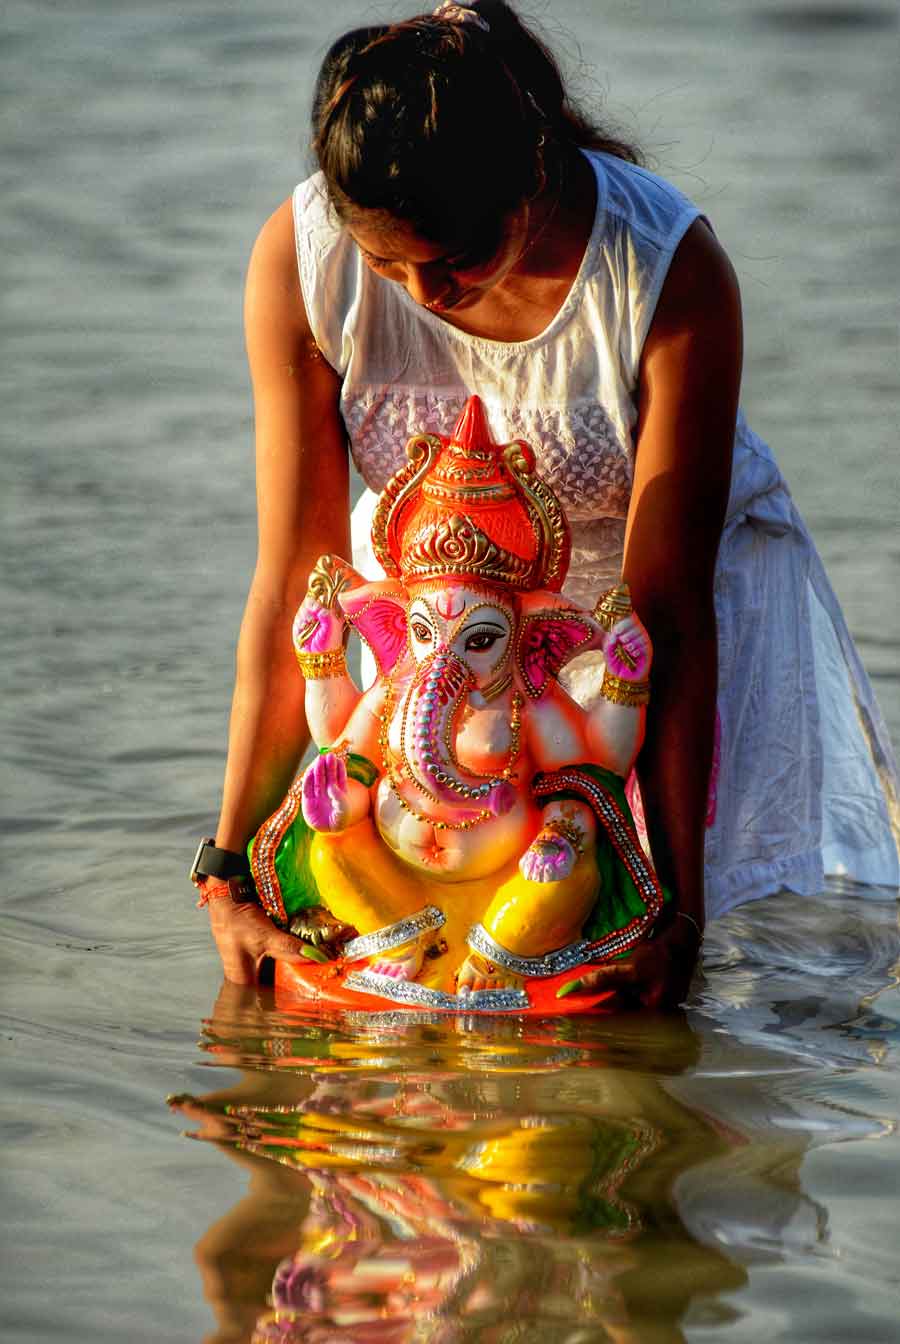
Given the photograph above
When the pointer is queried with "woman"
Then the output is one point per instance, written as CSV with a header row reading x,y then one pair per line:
x,y
469,231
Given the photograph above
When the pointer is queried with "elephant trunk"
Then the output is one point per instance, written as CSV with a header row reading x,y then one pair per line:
x,y
439,691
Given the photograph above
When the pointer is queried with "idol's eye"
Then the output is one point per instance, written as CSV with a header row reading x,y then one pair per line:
x,y
421,632
481,640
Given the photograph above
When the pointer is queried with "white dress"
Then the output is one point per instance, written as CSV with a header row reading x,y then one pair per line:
x,y
807,784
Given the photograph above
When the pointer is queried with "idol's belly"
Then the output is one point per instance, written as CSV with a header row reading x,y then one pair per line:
x,y
451,852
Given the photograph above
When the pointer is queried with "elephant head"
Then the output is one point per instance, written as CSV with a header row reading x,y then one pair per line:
x,y
462,644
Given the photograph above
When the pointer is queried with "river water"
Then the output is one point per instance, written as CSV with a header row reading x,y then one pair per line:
x,y
719,1175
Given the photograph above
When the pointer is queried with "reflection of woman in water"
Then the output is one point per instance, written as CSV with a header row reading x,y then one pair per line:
x,y
471,233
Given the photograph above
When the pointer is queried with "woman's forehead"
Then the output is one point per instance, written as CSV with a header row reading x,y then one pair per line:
x,y
392,239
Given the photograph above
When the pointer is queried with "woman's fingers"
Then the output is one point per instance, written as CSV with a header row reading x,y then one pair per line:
x,y
283,946
657,974
246,937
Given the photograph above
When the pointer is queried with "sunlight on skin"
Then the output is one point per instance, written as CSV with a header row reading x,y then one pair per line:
x,y
432,275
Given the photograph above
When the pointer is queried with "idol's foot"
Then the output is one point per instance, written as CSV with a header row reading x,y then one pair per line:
x,y
401,963
477,972
398,950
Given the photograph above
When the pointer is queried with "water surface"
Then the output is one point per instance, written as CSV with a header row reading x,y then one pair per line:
x,y
725,1174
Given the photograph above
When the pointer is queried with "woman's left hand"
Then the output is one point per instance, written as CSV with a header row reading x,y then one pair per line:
x,y
657,974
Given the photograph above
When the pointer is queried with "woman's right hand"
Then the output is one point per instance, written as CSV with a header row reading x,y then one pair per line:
x,y
247,939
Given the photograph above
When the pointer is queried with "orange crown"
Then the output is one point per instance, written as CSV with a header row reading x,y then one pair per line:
x,y
471,508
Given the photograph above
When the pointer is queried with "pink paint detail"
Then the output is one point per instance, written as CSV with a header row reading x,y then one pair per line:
x,y
501,798
328,629
324,793
633,794
382,624
542,865
546,645
446,605
441,683
628,637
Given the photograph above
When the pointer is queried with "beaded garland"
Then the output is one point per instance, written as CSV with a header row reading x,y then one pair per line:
x,y
262,861
484,814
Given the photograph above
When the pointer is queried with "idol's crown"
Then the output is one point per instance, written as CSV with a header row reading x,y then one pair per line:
x,y
470,508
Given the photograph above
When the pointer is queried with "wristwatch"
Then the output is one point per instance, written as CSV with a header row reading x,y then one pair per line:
x,y
212,862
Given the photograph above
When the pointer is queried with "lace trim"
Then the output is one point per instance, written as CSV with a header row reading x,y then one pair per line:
x,y
579,452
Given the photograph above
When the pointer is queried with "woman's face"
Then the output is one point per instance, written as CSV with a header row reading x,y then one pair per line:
x,y
438,277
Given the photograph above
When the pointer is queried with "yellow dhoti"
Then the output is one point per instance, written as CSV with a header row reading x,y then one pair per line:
x,y
365,884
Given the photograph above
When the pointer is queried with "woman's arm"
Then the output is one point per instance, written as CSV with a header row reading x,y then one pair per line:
x,y
688,396
303,509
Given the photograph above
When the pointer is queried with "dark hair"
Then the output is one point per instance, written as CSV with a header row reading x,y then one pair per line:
x,y
443,124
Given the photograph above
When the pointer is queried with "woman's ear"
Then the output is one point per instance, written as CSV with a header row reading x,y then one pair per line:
x,y
551,632
377,611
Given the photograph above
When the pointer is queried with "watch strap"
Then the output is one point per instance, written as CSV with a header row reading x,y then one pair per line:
x,y
210,861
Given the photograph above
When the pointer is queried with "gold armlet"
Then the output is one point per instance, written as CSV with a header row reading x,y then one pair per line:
x,y
318,666
621,692
567,830
613,607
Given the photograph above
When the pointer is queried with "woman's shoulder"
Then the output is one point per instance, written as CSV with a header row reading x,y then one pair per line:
x,y
317,229
639,199
327,264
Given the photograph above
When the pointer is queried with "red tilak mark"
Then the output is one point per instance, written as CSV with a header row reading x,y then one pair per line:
x,y
446,606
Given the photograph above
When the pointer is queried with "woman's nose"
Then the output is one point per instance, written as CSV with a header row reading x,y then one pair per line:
x,y
426,283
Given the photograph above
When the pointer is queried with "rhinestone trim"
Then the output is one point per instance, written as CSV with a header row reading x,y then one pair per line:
x,y
421,996
394,935
262,862
552,963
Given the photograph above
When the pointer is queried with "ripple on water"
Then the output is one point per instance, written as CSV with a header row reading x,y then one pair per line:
x,y
571,1176
839,20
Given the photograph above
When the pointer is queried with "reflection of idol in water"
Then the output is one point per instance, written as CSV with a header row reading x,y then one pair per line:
x,y
469,1180
514,1186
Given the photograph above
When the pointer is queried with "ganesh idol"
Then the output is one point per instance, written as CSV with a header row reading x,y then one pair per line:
x,y
463,834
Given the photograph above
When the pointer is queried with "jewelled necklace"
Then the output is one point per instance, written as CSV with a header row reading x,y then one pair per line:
x,y
387,756
548,218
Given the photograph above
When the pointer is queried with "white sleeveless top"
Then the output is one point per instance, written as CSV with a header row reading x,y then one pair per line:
x,y
571,393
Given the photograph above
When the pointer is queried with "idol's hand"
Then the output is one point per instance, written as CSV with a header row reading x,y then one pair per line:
x,y
325,796
549,858
657,974
627,650
319,929
317,629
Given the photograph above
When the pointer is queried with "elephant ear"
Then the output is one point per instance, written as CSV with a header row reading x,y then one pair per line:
x,y
377,611
549,637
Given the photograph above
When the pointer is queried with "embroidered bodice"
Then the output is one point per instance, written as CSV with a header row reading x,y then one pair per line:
x,y
569,391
